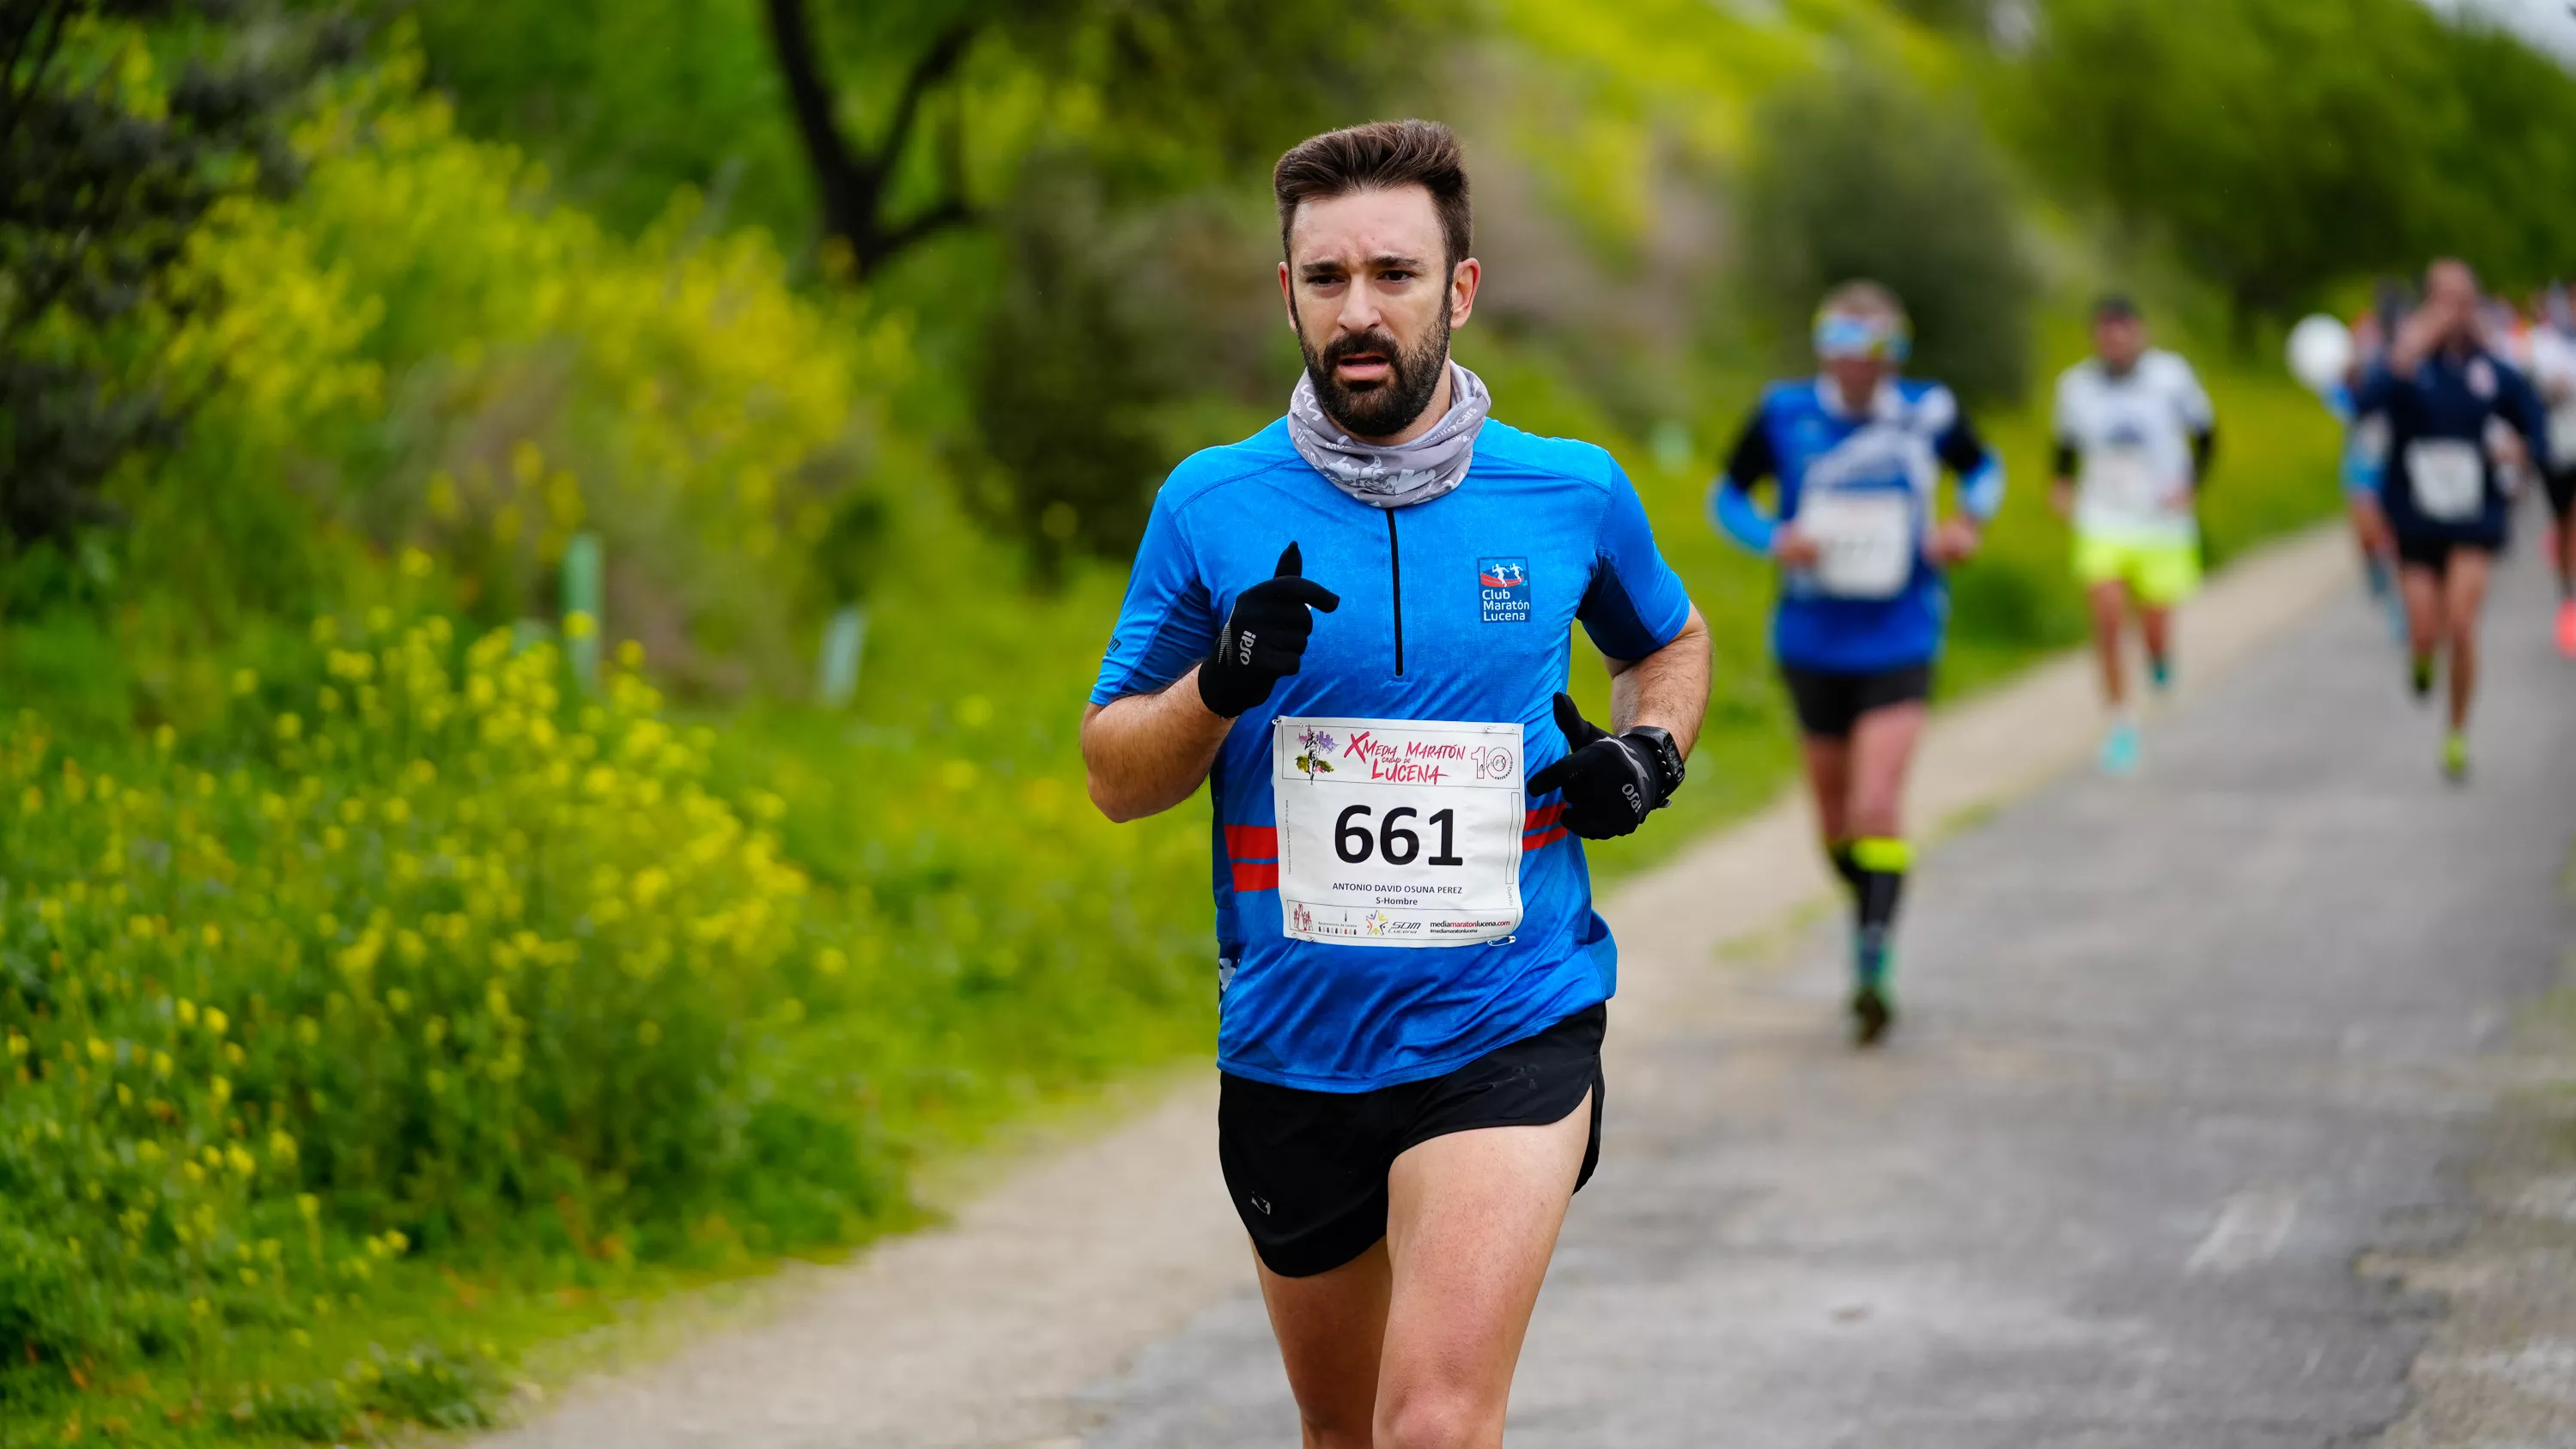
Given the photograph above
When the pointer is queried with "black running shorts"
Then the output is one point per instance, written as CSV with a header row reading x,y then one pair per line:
x,y
2433,551
1307,1170
1829,702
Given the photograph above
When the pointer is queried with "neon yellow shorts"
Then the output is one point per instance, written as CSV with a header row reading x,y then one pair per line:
x,y
2160,572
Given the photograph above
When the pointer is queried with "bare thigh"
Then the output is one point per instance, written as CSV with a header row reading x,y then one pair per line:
x,y
1472,1220
1331,1328
1882,750
1829,778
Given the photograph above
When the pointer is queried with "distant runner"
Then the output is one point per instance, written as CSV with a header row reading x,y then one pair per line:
x,y
2365,453
2134,433
2444,493
1857,454
2553,372
1411,977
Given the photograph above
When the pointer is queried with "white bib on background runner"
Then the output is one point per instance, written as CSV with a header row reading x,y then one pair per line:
x,y
1398,832
2125,482
1864,541
2447,477
2562,437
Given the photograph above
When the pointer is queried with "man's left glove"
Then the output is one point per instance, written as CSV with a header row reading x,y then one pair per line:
x,y
1611,782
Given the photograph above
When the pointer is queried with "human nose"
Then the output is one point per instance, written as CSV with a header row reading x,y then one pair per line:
x,y
1361,310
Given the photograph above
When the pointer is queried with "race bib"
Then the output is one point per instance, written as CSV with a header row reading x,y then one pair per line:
x,y
1398,832
2124,483
2562,438
1864,541
2447,478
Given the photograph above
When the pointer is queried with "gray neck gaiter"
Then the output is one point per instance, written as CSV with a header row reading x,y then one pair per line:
x,y
1405,474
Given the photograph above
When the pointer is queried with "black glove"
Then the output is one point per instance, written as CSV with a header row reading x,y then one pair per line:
x,y
1611,782
1264,639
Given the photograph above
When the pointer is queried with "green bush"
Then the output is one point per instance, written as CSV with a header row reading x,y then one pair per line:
x,y
1861,177
425,951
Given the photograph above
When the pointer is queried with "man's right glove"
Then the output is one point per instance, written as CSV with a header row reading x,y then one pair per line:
x,y
1263,639
1611,782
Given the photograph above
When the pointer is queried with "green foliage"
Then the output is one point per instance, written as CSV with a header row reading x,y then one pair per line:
x,y
106,169
2288,146
440,355
1861,177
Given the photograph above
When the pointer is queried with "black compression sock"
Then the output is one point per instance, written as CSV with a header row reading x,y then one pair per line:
x,y
1881,863
1840,853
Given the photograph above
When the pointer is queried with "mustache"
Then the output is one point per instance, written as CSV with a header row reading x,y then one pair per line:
x,y
1383,344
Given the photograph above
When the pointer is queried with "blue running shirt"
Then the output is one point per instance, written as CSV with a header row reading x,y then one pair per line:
x,y
1459,609
2439,480
1888,460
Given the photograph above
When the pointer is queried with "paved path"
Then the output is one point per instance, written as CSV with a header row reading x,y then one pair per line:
x,y
2178,1050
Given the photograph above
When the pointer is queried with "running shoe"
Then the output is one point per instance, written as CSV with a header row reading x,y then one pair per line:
x,y
1872,1013
2120,751
2567,628
2455,758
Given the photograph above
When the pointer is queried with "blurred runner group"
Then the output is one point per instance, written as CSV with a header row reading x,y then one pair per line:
x,y
2458,405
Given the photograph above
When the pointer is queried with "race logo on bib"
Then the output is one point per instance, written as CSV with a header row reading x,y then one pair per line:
x,y
1503,588
1398,832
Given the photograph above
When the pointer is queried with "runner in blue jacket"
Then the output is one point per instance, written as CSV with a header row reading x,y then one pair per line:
x,y
1355,626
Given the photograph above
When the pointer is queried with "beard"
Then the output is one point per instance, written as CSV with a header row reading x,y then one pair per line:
x,y
1389,405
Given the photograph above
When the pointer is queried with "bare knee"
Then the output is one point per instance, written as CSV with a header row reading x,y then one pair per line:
x,y
1336,1435
1438,1417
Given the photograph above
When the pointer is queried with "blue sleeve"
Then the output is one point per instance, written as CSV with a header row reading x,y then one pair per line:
x,y
1739,517
2378,386
1167,623
1730,499
1636,603
2338,401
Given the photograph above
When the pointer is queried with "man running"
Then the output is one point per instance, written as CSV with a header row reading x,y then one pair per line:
x,y
2134,436
1411,977
2443,492
1857,454
2365,450
2553,372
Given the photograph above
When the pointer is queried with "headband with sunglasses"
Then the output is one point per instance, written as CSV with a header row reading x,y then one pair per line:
x,y
1851,335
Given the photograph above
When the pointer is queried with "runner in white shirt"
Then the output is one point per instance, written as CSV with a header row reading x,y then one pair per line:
x,y
2134,433
2553,372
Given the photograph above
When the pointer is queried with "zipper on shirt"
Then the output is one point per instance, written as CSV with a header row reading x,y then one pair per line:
x,y
1395,577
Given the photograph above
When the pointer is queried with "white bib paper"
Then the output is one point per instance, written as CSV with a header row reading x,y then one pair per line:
x,y
2447,477
2562,437
1864,541
1398,832
2125,484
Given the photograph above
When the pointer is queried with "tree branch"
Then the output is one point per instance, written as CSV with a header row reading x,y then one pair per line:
x,y
837,174
934,67
853,186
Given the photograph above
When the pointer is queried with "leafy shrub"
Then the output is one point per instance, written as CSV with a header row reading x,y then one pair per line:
x,y
426,951
1860,177
109,166
429,349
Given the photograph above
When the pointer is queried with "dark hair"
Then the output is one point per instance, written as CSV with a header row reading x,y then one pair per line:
x,y
1380,156
2115,306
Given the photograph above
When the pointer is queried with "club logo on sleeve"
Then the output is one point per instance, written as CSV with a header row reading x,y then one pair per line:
x,y
1503,590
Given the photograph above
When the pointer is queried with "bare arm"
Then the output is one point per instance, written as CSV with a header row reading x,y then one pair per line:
x,y
1145,753
1667,689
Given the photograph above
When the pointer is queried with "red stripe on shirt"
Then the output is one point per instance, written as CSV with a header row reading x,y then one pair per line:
x,y
1256,876
1530,843
1542,817
1252,842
